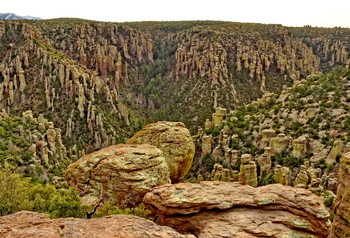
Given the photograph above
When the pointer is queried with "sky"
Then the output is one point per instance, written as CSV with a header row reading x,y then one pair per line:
x,y
322,13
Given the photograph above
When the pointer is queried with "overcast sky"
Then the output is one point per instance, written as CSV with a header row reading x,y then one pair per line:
x,y
328,13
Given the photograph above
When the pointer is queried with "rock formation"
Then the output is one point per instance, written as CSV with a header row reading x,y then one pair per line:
x,y
206,144
220,209
267,135
264,162
33,145
31,224
119,173
299,126
174,140
341,221
279,144
281,175
302,178
248,172
299,147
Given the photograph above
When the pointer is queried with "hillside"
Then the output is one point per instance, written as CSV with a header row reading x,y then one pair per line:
x,y
295,137
34,146
100,82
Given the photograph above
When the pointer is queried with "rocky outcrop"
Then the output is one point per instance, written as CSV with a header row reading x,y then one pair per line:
x,y
174,140
220,209
120,173
35,225
296,127
71,87
206,144
281,174
341,222
248,174
33,145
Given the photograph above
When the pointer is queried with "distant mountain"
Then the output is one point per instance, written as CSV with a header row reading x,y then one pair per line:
x,y
12,16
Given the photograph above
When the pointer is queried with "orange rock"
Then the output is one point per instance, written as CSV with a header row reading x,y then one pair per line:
x,y
36,225
174,139
221,209
119,172
341,222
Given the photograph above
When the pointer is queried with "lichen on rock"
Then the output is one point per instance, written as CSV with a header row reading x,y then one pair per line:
x,y
174,139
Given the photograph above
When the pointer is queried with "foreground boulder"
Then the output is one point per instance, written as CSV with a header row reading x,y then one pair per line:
x,y
174,140
220,209
341,222
36,225
120,172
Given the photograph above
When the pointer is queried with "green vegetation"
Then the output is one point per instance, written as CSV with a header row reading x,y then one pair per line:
x,y
13,144
265,179
109,208
18,193
285,159
20,146
316,108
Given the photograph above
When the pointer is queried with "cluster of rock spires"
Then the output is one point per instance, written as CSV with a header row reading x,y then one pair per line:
x,y
198,57
90,67
295,125
38,144
217,62
97,46
70,90
211,62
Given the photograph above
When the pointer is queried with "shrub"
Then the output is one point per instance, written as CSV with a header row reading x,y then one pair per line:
x,y
337,158
321,163
13,192
265,179
109,208
18,193
329,201
208,162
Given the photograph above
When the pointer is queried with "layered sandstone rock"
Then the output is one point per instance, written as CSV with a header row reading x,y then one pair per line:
x,y
341,222
206,144
299,147
174,140
281,175
119,172
220,209
36,225
248,171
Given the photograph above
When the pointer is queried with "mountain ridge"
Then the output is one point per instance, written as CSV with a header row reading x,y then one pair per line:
x,y
100,82
13,16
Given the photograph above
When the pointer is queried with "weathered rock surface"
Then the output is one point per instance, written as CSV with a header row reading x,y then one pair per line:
x,y
220,209
174,140
341,222
36,225
119,172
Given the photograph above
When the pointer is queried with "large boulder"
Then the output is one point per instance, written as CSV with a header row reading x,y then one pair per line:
x,y
36,225
341,222
174,140
221,209
119,172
